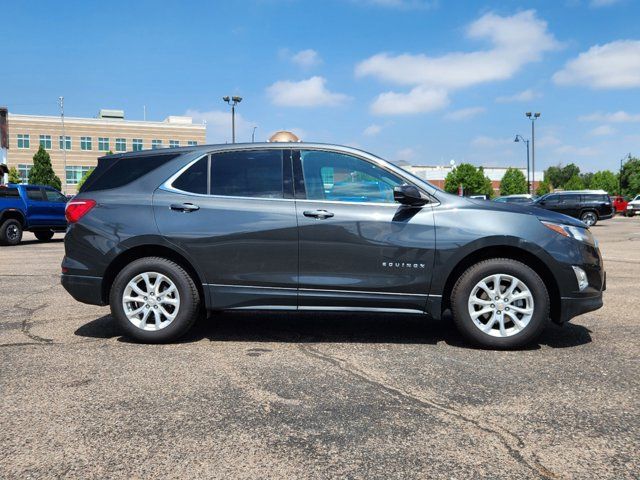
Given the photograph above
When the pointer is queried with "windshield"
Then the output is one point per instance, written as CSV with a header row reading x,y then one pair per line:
x,y
637,198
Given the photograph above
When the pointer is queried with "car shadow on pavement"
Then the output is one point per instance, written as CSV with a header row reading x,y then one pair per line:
x,y
309,327
38,242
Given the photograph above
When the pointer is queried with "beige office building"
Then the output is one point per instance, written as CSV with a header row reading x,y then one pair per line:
x,y
86,139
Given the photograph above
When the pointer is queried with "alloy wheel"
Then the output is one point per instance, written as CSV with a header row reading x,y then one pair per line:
x,y
151,301
12,232
589,218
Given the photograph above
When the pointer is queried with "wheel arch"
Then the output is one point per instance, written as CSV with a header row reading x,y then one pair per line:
x,y
505,251
142,251
13,214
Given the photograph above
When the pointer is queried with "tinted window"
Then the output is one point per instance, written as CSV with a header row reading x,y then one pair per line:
x,y
34,194
570,199
54,196
339,177
9,193
550,200
255,173
194,179
114,173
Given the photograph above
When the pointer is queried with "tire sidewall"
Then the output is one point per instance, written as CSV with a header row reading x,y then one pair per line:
x,y
595,220
3,232
188,302
44,235
481,270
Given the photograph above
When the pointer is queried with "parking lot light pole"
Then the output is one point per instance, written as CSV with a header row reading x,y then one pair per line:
x,y
64,144
233,101
533,117
520,138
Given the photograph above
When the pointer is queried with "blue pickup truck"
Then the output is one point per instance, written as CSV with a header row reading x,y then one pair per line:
x,y
34,208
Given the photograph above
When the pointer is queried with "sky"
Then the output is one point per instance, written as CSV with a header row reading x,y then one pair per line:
x,y
425,81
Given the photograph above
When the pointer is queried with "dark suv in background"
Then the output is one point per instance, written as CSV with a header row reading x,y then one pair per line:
x,y
587,205
162,235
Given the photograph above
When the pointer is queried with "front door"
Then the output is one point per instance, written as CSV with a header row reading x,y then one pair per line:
x,y
358,248
230,213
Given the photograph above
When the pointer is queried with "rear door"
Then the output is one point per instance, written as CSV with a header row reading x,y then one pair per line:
x,y
56,203
358,248
234,214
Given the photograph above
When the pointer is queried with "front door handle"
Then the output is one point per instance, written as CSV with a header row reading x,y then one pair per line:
x,y
321,214
184,207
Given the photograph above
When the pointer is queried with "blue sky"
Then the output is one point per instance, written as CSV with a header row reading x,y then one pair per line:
x,y
424,81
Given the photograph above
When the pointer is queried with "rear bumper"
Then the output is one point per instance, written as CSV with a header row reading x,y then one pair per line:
x,y
608,216
83,288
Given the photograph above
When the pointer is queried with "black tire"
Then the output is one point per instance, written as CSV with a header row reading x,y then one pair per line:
x,y
588,216
44,235
10,232
189,300
472,276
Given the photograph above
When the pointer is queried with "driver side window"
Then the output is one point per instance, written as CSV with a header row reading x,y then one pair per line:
x,y
338,177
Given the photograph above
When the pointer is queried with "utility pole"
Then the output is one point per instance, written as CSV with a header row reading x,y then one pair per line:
x,y
253,135
233,101
533,117
520,138
64,143
144,113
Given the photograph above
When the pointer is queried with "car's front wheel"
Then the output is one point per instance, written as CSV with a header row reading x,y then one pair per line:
x,y
500,303
154,300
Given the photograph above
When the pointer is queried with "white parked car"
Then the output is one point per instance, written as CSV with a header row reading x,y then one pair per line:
x,y
633,207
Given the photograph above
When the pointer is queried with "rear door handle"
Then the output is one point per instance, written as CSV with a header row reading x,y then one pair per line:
x,y
321,214
184,207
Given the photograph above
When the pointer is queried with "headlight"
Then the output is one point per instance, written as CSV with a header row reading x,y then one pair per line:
x,y
579,233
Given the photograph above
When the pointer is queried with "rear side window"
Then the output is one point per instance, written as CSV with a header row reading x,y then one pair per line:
x,y
115,173
194,179
9,193
254,173
34,194
54,196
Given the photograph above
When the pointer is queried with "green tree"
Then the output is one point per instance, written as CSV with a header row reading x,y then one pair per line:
x,y
543,188
14,175
630,176
558,176
513,182
574,183
84,178
472,179
587,179
604,180
42,172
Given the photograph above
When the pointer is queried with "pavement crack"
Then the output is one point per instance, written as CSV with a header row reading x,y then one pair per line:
x,y
506,438
26,325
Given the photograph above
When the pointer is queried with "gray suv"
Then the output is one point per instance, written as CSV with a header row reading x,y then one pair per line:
x,y
163,235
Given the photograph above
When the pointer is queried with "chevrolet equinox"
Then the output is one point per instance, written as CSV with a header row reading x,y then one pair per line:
x,y
162,235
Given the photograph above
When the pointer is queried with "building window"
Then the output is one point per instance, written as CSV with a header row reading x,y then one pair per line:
x,y
192,143
103,144
23,140
23,170
85,143
121,145
174,143
74,173
156,144
136,144
45,142
65,142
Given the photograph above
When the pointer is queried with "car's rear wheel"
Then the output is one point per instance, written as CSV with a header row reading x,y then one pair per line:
x,y
10,232
589,218
44,235
154,300
500,303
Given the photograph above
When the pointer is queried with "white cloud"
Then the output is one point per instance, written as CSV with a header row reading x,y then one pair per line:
x,y
580,151
418,100
465,113
612,65
372,130
483,141
548,141
405,154
603,3
219,125
524,96
615,117
602,130
400,4
305,93
306,58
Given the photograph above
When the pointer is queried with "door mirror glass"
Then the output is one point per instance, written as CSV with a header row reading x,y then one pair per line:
x,y
408,195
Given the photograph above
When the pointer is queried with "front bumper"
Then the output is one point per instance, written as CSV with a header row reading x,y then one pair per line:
x,y
83,288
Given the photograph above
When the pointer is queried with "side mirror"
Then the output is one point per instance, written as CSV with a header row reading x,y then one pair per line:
x,y
408,195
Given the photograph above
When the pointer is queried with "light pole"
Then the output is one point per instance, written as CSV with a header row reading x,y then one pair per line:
x,y
233,101
253,135
520,138
64,143
533,117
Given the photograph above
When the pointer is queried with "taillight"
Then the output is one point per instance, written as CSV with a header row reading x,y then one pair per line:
x,y
76,209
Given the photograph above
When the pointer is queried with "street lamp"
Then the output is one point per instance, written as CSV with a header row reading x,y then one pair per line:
x,y
64,143
253,135
233,101
533,117
520,138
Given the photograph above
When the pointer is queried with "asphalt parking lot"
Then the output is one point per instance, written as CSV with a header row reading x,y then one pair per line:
x,y
309,396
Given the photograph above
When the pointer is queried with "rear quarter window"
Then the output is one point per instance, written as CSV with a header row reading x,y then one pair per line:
x,y
9,192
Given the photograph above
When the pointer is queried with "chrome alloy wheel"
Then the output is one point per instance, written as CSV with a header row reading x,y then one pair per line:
x,y
589,218
501,305
151,301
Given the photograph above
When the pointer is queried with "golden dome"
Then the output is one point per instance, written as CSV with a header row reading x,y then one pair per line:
x,y
284,136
